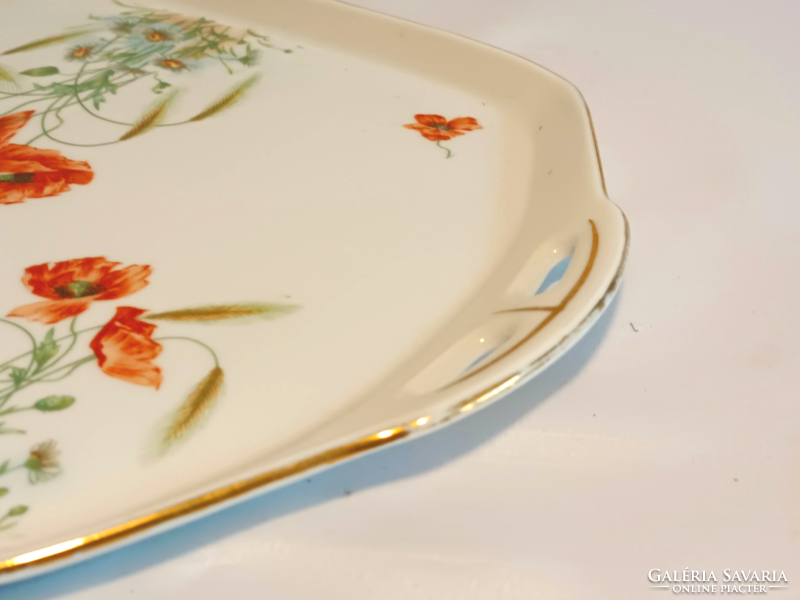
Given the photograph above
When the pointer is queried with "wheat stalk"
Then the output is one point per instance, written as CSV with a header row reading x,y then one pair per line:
x,y
151,118
7,80
221,312
229,99
49,41
196,405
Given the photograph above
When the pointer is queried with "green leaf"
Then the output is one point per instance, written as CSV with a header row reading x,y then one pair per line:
x,y
160,87
41,72
18,375
46,350
58,89
3,492
99,86
4,467
54,403
18,510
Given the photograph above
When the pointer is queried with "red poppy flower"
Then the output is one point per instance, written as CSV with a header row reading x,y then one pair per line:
x,y
125,348
71,286
438,129
27,172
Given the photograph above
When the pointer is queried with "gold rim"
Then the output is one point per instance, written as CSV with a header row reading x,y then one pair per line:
x,y
182,509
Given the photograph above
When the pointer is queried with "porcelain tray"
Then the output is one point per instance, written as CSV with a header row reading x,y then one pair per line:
x,y
243,241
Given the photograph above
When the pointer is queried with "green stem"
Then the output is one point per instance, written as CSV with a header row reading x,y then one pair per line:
x,y
14,409
224,64
76,82
77,100
58,115
33,348
44,375
6,472
69,366
100,50
47,133
449,154
74,336
89,72
25,331
77,333
18,106
42,123
80,73
198,342
17,95
106,119
8,431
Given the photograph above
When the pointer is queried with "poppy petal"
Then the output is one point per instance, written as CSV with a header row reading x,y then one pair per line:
x,y
438,135
11,124
91,269
435,137
124,282
75,171
42,186
464,124
22,166
431,119
45,184
431,133
51,311
42,279
52,172
11,194
126,350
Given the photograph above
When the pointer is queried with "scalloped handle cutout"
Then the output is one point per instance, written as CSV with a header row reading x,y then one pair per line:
x,y
466,354
546,268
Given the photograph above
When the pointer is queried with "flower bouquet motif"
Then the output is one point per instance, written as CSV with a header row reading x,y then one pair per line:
x,y
141,47
125,348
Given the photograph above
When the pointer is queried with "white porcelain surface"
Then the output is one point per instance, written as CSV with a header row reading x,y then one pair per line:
x,y
420,272
669,448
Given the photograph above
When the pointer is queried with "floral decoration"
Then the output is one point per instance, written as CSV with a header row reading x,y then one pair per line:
x,y
125,348
139,48
71,286
28,172
438,129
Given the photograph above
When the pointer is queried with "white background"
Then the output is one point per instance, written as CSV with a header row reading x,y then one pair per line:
x,y
669,448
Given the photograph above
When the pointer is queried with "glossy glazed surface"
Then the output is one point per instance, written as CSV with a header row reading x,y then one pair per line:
x,y
407,216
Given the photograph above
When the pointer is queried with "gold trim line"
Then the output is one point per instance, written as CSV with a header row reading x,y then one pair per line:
x,y
182,509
